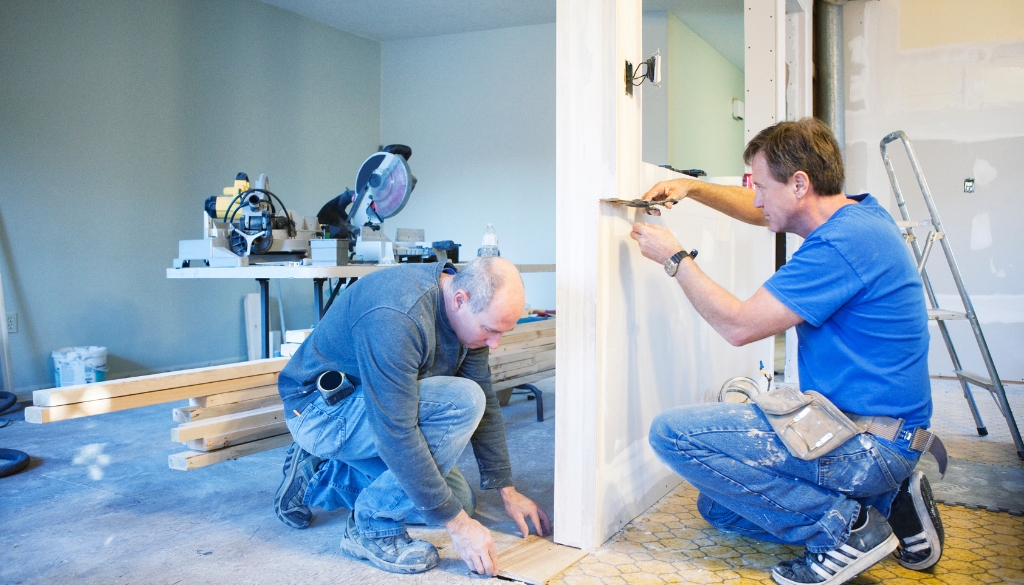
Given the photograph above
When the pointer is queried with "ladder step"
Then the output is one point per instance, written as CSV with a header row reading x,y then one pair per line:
x,y
976,379
944,315
914,224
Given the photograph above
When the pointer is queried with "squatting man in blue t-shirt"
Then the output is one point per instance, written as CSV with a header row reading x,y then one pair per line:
x,y
382,441
854,295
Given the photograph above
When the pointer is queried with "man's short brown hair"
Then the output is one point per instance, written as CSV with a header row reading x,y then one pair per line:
x,y
805,145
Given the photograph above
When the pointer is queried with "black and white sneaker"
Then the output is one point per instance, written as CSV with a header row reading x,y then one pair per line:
x,y
867,545
915,521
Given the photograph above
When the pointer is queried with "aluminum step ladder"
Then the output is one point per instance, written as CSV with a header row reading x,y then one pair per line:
x,y
991,382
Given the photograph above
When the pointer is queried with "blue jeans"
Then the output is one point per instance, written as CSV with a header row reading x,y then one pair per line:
x,y
354,476
750,483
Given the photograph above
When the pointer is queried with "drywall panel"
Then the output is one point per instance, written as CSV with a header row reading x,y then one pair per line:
x,y
933,23
961,106
615,317
654,350
478,110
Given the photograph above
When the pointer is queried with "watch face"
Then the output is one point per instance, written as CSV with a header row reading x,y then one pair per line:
x,y
671,267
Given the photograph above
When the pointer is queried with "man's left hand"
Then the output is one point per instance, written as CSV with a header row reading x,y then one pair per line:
x,y
656,242
519,508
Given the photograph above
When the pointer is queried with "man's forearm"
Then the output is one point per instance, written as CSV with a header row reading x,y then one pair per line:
x,y
736,202
717,306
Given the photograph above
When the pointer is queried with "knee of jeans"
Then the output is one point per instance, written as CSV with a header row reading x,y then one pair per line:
x,y
664,435
463,394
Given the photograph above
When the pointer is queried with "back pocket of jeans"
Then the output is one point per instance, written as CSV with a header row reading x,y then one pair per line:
x,y
857,474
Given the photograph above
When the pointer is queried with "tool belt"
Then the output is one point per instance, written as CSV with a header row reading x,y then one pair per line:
x,y
890,429
810,426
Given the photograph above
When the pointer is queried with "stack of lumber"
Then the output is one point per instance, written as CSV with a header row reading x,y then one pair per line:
x,y
56,404
292,340
525,355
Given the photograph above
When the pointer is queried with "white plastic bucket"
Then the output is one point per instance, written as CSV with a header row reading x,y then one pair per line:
x,y
79,365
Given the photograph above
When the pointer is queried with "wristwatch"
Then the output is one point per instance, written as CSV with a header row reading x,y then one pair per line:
x,y
672,264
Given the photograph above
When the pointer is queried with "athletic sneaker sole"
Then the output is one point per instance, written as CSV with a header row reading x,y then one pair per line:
x,y
921,494
856,567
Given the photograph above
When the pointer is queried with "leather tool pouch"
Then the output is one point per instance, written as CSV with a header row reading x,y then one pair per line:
x,y
807,423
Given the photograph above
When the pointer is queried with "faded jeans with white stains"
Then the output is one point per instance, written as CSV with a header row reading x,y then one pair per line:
x,y
751,485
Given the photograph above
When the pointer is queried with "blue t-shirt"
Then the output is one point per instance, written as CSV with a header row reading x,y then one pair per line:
x,y
864,339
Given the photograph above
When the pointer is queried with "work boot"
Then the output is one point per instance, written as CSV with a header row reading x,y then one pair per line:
x,y
868,544
395,554
299,467
915,521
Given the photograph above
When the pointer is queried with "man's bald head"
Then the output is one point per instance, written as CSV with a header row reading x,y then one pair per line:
x,y
490,279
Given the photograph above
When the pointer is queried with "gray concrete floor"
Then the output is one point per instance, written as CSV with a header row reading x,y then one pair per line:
x,y
99,505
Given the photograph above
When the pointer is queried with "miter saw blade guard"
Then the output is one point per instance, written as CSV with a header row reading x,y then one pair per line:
x,y
383,186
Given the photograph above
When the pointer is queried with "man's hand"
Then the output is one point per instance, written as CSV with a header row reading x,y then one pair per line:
x,y
473,543
519,508
656,242
674,189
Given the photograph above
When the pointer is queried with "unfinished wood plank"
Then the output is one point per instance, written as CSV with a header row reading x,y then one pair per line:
x,y
48,414
528,360
227,423
194,459
253,325
509,356
536,561
517,337
193,413
534,326
297,335
155,382
237,437
503,389
236,396
538,367
537,342
528,379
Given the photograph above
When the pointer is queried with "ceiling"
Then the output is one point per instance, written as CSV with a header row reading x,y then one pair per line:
x,y
719,22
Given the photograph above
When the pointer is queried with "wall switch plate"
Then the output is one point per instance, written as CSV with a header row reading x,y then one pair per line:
x,y
12,322
968,185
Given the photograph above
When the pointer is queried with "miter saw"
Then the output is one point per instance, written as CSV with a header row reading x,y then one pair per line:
x,y
245,226
383,185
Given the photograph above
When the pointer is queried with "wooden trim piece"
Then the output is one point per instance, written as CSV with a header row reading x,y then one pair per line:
x,y
48,414
536,561
227,423
194,459
238,437
155,382
236,396
529,360
193,413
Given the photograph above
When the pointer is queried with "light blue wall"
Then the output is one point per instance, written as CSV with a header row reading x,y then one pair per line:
x,y
478,110
118,119
701,85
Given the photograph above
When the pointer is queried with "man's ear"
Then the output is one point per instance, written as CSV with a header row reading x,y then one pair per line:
x,y
460,298
801,183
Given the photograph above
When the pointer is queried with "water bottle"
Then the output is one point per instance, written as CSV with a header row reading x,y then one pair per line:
x,y
489,245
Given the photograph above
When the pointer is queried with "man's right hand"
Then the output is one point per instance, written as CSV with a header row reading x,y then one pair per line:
x,y
674,189
473,543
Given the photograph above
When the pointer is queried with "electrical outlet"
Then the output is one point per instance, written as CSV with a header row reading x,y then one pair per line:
x,y
12,322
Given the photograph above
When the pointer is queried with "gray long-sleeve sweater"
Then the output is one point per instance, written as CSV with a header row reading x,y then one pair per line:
x,y
391,329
